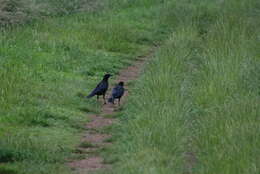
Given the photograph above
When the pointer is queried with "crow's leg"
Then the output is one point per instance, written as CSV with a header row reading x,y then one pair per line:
x,y
104,98
119,101
97,97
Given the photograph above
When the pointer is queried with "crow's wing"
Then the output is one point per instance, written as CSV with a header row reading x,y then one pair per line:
x,y
118,92
100,88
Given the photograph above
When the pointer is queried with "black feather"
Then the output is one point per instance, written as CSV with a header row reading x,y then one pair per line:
x,y
117,92
101,88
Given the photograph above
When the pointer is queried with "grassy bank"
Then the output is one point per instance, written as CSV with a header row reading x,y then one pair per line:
x,y
13,12
196,109
45,69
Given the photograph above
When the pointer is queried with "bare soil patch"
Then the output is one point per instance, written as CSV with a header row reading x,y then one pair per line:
x,y
93,140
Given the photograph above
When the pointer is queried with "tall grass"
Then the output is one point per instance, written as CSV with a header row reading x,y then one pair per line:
x,y
196,108
24,11
46,67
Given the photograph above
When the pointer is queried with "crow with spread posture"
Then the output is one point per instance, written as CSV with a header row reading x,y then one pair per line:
x,y
101,88
117,93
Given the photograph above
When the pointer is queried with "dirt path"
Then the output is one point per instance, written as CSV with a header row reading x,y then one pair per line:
x,y
93,141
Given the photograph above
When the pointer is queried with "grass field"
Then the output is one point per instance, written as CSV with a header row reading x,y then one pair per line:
x,y
46,68
14,12
196,108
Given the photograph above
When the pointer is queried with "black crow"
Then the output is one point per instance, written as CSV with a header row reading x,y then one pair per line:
x,y
101,88
117,93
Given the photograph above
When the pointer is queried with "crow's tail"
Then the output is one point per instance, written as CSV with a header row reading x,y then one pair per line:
x,y
91,95
111,100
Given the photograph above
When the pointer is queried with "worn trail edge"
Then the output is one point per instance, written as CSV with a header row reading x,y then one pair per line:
x,y
94,140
